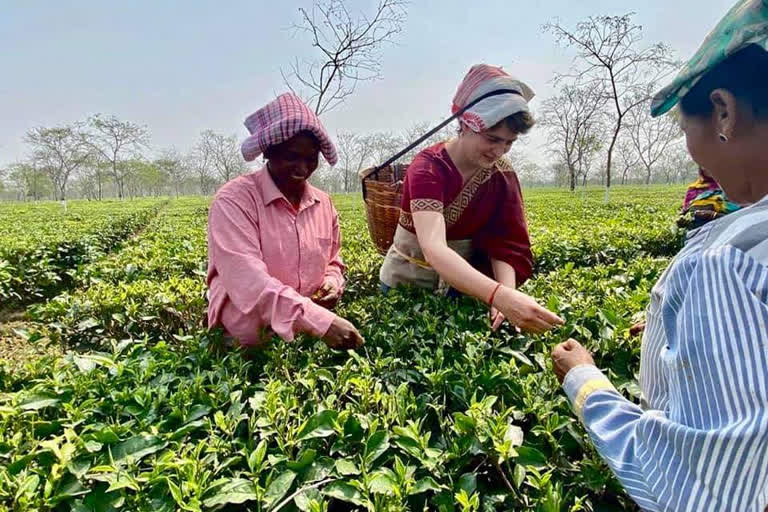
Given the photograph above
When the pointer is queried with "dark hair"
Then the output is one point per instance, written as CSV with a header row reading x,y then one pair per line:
x,y
269,153
519,123
743,74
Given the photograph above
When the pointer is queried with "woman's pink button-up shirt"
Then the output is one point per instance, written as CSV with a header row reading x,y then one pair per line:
x,y
265,259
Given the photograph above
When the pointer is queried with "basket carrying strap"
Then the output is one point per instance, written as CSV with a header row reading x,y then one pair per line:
x,y
375,171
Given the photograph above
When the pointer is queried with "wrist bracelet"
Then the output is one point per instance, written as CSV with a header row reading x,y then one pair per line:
x,y
493,294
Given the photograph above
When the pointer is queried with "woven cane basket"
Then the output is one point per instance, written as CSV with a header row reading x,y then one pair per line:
x,y
382,191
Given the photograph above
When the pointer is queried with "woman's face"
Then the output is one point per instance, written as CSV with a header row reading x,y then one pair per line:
x,y
702,141
293,162
487,147
722,160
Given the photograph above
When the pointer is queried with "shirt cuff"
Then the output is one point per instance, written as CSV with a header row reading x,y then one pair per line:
x,y
316,319
583,380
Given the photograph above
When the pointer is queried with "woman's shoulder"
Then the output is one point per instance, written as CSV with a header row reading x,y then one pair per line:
x,y
241,190
320,195
504,165
504,174
431,160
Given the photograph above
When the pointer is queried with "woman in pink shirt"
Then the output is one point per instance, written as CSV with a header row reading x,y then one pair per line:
x,y
274,240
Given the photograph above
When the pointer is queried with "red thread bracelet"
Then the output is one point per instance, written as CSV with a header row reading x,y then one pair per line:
x,y
493,295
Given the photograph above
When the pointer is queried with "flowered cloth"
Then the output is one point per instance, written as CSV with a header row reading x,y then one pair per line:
x,y
481,80
704,201
280,120
746,23
704,183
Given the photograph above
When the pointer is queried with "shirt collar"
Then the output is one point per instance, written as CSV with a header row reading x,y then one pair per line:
x,y
271,193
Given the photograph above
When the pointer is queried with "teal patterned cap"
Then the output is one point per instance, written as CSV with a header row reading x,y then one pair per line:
x,y
746,23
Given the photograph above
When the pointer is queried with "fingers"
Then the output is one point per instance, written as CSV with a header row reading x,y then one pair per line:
x,y
327,295
570,344
357,340
497,320
327,290
563,348
549,317
353,339
540,321
560,354
347,336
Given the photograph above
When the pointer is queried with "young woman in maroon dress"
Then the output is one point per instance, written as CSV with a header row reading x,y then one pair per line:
x,y
462,205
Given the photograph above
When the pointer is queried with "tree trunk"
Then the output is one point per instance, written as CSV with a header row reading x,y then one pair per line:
x,y
609,159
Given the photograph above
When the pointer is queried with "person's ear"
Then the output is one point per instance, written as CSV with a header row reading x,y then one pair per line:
x,y
725,113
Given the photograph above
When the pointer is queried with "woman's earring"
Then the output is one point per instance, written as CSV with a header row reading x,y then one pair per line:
x,y
723,137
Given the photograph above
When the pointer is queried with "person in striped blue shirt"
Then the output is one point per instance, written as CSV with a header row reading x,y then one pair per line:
x,y
699,439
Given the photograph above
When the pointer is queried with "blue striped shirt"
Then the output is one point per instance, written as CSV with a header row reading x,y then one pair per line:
x,y
699,440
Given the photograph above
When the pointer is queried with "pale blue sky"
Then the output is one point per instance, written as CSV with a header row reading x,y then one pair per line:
x,y
182,67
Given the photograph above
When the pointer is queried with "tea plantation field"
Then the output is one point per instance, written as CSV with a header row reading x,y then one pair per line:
x,y
140,407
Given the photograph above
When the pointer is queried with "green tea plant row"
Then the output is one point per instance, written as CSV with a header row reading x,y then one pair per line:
x,y
565,228
154,286
41,244
435,412
582,229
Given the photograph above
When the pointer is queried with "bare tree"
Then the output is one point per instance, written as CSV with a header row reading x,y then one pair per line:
x,y
116,141
627,157
573,118
676,164
588,164
416,130
30,181
610,58
200,160
385,145
173,166
150,178
355,152
327,178
560,173
59,151
85,184
529,172
651,136
223,154
349,47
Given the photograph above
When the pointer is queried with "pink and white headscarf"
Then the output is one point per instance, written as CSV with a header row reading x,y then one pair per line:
x,y
280,120
481,80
